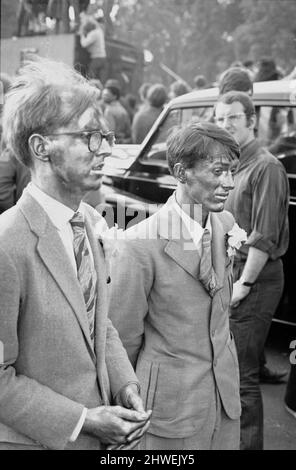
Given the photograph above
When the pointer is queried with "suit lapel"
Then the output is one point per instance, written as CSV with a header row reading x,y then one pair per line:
x,y
102,305
52,252
180,246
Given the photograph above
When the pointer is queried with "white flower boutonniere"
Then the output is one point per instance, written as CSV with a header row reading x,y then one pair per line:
x,y
234,239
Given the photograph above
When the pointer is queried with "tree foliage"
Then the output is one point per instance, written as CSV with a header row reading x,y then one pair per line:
x,y
205,36
198,36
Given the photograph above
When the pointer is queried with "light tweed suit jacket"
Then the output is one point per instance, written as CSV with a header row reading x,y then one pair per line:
x,y
50,371
176,336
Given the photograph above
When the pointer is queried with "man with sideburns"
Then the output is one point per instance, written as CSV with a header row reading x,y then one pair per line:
x,y
173,313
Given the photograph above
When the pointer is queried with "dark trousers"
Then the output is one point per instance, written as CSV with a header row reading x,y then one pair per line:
x,y
250,323
97,68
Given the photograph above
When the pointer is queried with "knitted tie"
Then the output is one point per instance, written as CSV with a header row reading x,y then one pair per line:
x,y
207,275
85,270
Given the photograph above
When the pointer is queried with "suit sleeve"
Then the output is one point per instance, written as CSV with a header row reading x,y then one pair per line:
x,y
119,367
26,405
132,278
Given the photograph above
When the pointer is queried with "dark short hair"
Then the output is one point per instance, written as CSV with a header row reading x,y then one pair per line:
x,y
267,70
89,25
192,142
179,88
113,85
241,97
200,81
248,63
157,95
235,78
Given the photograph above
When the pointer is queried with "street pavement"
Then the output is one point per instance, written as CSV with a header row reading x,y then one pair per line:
x,y
279,425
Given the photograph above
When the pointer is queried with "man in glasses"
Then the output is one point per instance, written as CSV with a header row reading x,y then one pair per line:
x,y
240,79
259,204
62,363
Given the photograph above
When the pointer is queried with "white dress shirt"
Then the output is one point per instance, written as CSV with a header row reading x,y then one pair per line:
x,y
194,228
60,215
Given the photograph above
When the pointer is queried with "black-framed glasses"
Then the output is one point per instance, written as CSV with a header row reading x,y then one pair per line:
x,y
94,137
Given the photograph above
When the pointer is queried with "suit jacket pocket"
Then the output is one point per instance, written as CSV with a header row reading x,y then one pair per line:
x,y
160,387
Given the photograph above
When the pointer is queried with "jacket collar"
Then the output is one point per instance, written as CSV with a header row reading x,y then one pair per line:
x,y
51,250
180,246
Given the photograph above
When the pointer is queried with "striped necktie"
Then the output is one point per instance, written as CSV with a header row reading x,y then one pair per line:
x,y
207,275
85,270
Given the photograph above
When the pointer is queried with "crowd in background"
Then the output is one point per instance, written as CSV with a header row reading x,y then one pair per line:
x,y
131,116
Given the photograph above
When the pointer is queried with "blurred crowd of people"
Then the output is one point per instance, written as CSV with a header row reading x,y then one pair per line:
x,y
131,116
45,16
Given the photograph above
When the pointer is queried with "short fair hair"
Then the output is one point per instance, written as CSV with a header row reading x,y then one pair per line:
x,y
45,96
192,142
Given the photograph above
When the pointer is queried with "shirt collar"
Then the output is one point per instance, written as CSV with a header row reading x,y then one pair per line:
x,y
194,228
249,151
58,213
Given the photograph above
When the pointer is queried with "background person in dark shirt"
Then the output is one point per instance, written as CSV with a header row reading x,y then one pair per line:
x,y
240,79
259,204
146,116
115,114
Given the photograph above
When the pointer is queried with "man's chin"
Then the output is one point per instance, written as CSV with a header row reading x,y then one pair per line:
x,y
219,207
96,184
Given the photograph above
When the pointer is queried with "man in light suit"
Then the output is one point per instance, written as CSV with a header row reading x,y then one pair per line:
x,y
172,314
62,365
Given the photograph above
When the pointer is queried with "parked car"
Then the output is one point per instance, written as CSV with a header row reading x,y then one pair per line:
x,y
138,181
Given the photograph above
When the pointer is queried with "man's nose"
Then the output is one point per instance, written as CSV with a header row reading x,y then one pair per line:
x,y
228,181
105,149
226,123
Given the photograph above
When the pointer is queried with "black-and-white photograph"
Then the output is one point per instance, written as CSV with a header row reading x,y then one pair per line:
x,y
148,228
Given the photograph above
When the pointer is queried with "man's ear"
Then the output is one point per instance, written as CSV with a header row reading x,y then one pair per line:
x,y
180,173
252,121
39,147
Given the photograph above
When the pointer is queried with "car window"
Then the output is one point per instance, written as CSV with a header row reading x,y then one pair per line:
x,y
277,131
172,119
202,113
276,124
155,151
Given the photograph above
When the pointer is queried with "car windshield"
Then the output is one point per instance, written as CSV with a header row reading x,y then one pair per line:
x,y
276,128
155,151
